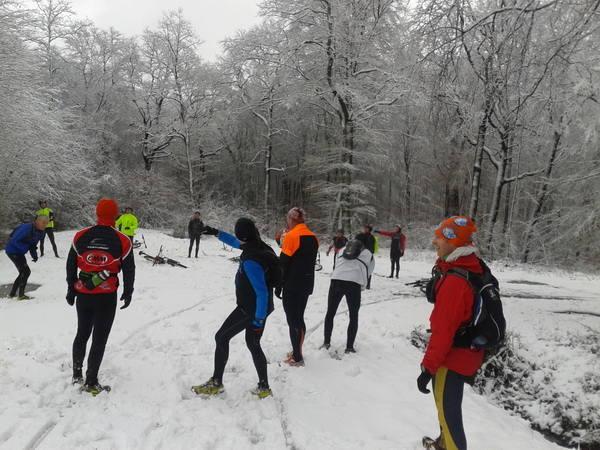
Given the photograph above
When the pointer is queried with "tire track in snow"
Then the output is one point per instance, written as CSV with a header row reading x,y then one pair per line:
x,y
41,434
173,314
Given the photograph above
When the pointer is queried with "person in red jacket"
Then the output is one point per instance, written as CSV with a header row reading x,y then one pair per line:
x,y
97,255
446,365
396,248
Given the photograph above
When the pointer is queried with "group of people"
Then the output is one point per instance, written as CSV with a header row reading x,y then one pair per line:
x,y
26,237
99,253
370,242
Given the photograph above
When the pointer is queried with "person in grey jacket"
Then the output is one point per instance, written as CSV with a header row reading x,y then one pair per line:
x,y
349,278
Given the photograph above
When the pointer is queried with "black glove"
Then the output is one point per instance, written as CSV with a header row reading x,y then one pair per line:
x,y
210,230
401,254
71,294
423,380
127,299
34,260
278,292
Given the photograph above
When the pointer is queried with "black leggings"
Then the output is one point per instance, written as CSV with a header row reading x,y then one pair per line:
x,y
395,264
95,313
237,322
294,305
193,239
24,271
50,234
337,290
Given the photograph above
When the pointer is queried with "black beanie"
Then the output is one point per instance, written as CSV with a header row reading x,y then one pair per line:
x,y
245,230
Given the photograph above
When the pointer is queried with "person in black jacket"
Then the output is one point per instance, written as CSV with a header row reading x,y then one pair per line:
x,y
254,299
195,228
298,257
369,242
99,253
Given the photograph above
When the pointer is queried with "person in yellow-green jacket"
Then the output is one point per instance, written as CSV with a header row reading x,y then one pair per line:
x,y
44,210
127,223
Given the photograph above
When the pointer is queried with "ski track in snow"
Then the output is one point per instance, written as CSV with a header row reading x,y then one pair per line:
x,y
163,344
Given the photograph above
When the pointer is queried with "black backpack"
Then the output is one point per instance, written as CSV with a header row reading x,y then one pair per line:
x,y
487,327
274,271
352,249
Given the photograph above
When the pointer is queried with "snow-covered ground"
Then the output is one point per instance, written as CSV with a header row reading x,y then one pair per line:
x,y
163,344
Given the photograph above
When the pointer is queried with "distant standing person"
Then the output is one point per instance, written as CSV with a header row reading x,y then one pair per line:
x,y
298,257
127,223
254,300
338,242
99,253
396,248
369,242
443,363
44,210
349,278
25,239
195,228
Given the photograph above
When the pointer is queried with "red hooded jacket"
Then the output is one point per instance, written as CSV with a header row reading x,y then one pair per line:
x,y
453,307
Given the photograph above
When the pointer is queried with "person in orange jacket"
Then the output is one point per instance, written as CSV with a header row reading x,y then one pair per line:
x,y
446,365
298,257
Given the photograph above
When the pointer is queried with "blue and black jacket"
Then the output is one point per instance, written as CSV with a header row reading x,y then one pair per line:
x,y
25,239
253,295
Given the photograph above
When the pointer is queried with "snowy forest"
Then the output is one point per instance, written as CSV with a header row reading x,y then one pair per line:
x,y
360,111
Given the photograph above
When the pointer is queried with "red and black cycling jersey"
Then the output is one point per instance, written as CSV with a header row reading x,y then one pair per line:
x,y
99,248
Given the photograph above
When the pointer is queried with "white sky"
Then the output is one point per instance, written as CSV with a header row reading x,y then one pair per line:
x,y
213,20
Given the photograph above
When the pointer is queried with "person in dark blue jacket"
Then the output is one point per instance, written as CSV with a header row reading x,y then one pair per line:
x,y
254,298
25,239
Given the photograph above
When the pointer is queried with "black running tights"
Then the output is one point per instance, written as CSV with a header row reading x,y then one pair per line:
x,y
237,322
95,314
24,271
337,290
294,305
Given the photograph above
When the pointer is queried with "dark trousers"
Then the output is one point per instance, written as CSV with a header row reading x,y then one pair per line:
x,y
50,234
395,264
193,239
20,263
237,322
294,305
448,389
95,316
337,290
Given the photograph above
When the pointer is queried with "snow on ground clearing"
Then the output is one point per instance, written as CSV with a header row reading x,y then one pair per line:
x,y
163,344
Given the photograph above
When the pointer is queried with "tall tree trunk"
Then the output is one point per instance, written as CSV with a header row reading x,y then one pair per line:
x,y
541,197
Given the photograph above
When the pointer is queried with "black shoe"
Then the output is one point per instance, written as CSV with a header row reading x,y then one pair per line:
x,y
77,379
94,389
326,345
391,276
350,350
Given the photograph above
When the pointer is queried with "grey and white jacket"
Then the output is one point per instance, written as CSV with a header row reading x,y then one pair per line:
x,y
355,270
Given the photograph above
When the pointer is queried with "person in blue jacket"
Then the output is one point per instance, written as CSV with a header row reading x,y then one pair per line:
x,y
254,298
25,239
